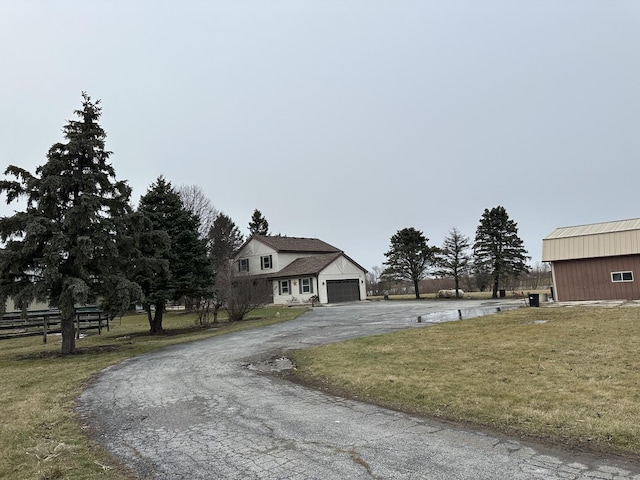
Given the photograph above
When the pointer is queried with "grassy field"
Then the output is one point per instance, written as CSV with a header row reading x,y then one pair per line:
x,y
567,375
40,437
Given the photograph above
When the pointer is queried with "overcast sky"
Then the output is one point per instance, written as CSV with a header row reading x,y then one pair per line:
x,y
344,120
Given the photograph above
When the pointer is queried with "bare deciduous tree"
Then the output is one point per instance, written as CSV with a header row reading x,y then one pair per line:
x,y
539,276
374,281
195,201
240,295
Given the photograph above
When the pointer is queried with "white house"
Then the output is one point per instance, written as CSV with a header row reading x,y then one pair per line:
x,y
302,268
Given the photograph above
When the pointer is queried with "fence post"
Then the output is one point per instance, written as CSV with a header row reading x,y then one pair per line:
x,y
45,324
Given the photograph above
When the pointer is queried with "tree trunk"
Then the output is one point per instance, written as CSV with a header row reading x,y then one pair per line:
x,y
68,334
216,309
149,317
496,280
156,323
416,289
457,287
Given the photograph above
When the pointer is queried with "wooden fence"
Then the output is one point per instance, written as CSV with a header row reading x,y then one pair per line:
x,y
44,322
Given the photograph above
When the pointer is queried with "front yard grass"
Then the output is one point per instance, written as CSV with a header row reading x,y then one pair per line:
x,y
40,435
564,375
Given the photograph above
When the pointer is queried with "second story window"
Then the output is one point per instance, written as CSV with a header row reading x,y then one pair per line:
x,y
243,265
266,262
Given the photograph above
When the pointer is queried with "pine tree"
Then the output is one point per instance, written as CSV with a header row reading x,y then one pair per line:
x,y
497,248
186,269
409,256
69,246
258,224
454,259
224,239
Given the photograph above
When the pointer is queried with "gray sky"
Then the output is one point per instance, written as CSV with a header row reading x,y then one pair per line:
x,y
344,120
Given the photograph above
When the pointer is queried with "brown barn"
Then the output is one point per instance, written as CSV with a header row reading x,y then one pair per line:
x,y
599,261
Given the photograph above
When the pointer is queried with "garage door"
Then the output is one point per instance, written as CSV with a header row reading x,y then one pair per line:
x,y
343,290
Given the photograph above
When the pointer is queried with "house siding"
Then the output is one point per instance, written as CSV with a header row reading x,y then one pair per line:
x,y
590,278
294,296
341,269
253,251
293,259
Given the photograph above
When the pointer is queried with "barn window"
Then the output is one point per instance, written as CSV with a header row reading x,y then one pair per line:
x,y
622,276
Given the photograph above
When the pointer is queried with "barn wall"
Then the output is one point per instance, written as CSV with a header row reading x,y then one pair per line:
x,y
590,279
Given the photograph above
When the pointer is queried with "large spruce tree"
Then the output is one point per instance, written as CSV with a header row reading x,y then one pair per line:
x,y
69,245
185,268
409,256
497,248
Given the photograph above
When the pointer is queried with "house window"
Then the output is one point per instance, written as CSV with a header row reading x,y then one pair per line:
x,y
243,265
284,287
266,262
306,285
621,277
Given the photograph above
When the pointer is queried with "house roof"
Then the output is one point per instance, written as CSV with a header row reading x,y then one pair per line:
x,y
308,265
295,244
319,255
605,239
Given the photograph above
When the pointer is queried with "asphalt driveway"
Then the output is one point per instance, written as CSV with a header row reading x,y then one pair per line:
x,y
205,410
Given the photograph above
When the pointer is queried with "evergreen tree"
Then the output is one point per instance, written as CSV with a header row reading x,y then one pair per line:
x,y
69,246
498,249
225,239
454,259
258,224
409,256
186,269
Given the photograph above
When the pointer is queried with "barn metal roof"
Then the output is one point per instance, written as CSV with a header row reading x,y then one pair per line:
x,y
595,229
605,239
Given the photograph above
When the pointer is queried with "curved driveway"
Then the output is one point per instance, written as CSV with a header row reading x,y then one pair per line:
x,y
204,411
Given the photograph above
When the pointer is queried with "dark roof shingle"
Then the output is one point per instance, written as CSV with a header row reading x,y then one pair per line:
x,y
307,265
296,244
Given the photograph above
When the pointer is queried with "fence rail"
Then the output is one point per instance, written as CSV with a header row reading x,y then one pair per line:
x,y
44,322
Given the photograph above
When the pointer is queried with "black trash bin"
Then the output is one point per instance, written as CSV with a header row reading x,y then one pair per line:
x,y
503,293
534,299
